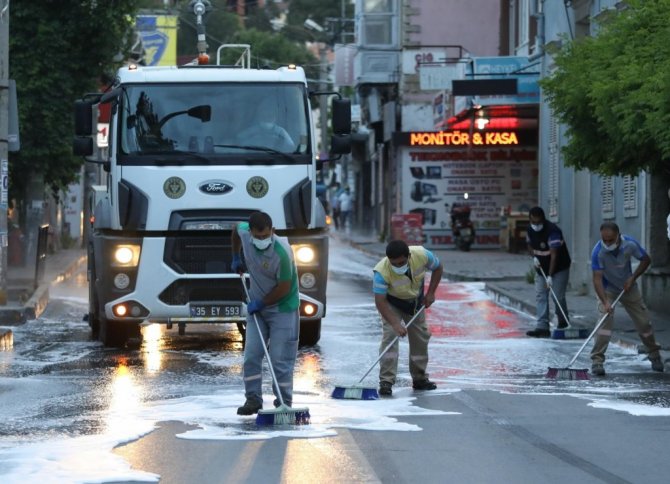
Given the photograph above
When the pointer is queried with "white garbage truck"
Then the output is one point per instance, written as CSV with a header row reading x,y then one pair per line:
x,y
192,151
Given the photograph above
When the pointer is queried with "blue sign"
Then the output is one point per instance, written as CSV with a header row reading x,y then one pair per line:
x,y
527,75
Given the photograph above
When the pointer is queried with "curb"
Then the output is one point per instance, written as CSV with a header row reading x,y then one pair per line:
x,y
37,303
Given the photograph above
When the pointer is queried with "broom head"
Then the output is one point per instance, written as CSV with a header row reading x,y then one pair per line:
x,y
283,415
568,373
355,393
570,333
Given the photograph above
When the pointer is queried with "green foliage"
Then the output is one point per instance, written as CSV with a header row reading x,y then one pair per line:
x,y
318,11
612,91
274,50
58,51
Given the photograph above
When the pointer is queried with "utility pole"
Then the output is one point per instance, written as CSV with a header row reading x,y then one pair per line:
x,y
4,143
323,102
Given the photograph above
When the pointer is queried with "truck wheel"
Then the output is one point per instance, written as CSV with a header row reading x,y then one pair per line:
x,y
242,328
310,332
116,334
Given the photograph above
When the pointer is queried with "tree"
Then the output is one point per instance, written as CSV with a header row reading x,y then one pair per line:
x,y
318,11
58,51
612,92
220,27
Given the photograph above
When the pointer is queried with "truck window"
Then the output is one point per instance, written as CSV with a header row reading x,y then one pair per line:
x,y
214,120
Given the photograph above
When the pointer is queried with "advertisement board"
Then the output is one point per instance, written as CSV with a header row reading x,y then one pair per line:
x,y
496,177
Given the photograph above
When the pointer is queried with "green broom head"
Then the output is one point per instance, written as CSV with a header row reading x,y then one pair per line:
x,y
283,415
355,393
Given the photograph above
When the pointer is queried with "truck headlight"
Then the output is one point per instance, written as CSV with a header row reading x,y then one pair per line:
x,y
126,256
304,254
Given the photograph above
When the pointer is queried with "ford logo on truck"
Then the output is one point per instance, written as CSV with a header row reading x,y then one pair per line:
x,y
215,187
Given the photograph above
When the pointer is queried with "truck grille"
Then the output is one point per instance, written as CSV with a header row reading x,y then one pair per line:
x,y
183,291
199,254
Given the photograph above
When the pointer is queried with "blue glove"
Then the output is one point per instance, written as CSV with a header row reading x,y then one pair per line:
x,y
237,265
255,306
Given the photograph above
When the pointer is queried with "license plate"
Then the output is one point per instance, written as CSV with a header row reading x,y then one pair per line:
x,y
215,310
465,232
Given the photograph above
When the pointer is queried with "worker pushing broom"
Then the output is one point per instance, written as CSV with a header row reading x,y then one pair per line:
x,y
398,287
272,305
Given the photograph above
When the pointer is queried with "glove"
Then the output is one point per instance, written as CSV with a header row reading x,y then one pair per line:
x,y
536,263
255,306
237,265
549,282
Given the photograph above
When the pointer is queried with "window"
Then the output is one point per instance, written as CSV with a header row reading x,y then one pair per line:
x,y
607,194
378,18
629,196
554,162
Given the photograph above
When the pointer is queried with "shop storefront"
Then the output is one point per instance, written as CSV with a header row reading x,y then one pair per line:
x,y
493,171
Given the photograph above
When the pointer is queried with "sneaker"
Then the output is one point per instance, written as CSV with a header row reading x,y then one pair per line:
x,y
538,333
250,407
657,363
424,385
385,389
598,369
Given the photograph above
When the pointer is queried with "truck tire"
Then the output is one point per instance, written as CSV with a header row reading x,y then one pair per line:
x,y
116,334
310,332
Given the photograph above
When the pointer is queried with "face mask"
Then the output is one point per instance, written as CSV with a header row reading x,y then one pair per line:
x,y
400,270
610,247
261,244
536,227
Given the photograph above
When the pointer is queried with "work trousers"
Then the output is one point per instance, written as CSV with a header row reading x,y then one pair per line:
x,y
280,332
543,297
637,310
418,336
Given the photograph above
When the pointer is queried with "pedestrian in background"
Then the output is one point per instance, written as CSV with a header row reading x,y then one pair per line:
x,y
612,274
346,204
550,253
335,205
274,301
398,286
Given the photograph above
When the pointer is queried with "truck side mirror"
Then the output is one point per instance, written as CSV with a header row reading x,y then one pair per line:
x,y
83,118
340,144
341,109
82,146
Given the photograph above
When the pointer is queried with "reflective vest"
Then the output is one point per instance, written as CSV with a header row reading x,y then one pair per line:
x,y
401,285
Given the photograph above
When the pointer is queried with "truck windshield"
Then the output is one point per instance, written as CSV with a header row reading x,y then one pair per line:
x,y
211,121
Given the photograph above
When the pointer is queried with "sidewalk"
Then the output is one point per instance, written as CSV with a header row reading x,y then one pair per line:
x,y
26,302
505,277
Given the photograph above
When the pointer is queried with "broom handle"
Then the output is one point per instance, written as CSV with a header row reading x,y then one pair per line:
x,y
391,343
600,323
555,297
265,350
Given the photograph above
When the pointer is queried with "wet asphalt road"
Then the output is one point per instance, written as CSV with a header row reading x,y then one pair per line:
x,y
59,384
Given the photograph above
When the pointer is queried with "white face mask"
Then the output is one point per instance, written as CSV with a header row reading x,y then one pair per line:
x,y
536,227
261,244
400,270
610,247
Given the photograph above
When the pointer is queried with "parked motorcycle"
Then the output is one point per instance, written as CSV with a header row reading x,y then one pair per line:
x,y
461,226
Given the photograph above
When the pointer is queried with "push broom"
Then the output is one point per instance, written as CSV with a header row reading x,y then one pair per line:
x,y
283,414
568,373
568,332
359,392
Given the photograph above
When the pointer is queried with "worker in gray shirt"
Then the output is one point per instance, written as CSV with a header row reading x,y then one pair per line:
x,y
613,275
274,300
